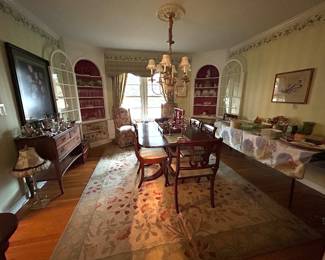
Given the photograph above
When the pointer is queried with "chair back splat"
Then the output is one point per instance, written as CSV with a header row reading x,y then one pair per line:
x,y
195,122
203,155
209,129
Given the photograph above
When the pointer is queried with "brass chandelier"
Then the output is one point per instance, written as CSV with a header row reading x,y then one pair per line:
x,y
168,76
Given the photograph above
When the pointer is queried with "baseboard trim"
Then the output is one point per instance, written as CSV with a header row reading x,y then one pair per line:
x,y
19,205
21,202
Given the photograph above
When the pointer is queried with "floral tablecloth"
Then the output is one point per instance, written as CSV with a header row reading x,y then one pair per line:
x,y
274,153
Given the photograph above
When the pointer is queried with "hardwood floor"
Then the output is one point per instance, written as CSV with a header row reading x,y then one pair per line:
x,y
39,230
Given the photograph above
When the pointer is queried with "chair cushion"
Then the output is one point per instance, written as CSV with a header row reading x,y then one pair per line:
x,y
125,128
152,153
190,173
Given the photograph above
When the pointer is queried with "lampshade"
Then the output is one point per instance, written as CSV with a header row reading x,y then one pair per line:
x,y
166,60
184,62
29,162
151,64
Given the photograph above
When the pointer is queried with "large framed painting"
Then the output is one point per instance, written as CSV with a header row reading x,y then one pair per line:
x,y
292,87
32,84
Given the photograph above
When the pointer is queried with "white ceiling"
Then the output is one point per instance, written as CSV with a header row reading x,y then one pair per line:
x,y
132,24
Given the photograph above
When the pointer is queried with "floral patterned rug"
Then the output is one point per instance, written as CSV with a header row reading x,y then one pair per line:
x,y
115,220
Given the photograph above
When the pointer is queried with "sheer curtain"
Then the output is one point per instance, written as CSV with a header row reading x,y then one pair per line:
x,y
118,84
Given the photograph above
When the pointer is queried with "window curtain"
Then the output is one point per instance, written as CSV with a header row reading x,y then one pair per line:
x,y
118,84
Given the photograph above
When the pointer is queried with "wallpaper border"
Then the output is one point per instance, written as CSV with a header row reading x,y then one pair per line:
x,y
21,19
283,31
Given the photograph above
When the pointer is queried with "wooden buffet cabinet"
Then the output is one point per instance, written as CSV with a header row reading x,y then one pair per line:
x,y
62,150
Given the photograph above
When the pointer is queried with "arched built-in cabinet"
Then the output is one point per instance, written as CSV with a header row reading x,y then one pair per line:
x,y
92,102
80,95
231,88
206,92
64,85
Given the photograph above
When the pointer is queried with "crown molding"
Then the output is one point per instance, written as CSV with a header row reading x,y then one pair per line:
x,y
309,18
22,16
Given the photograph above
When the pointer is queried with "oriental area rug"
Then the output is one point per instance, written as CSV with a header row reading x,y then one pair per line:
x,y
116,220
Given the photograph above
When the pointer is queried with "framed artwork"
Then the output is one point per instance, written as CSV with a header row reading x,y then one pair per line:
x,y
181,91
31,81
292,87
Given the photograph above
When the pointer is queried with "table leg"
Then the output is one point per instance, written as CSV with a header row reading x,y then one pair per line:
x,y
292,189
30,186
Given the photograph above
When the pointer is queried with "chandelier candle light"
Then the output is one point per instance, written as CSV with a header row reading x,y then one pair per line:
x,y
167,71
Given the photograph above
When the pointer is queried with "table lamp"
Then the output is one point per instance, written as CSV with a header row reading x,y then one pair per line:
x,y
27,165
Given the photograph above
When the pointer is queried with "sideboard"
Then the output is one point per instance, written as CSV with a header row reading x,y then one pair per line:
x,y
62,150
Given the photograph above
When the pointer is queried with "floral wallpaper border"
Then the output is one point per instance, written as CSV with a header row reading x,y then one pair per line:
x,y
19,18
296,27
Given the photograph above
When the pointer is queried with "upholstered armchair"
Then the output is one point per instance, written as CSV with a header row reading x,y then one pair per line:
x,y
123,127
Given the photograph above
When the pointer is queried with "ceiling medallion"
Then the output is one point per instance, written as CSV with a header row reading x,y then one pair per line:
x,y
166,10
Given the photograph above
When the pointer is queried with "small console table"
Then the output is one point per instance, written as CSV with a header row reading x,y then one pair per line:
x,y
62,150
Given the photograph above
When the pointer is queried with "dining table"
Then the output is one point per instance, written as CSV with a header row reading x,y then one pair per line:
x,y
150,135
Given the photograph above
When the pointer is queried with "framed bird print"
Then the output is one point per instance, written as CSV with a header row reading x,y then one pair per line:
x,y
292,87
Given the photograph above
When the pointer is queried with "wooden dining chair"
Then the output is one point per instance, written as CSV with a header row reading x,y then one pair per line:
x,y
209,129
149,156
195,122
199,164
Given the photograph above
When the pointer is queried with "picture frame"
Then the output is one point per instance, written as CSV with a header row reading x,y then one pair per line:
x,y
32,84
292,87
181,90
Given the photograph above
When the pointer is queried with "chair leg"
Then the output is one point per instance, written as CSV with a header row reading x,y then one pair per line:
x,y
165,172
176,195
212,190
142,174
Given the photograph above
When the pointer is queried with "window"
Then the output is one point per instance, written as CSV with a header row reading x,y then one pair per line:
x,y
143,102
231,88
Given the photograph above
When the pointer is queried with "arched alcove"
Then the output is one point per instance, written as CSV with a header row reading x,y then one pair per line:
x,y
91,101
206,91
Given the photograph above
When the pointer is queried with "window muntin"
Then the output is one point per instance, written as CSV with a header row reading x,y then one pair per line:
x,y
144,104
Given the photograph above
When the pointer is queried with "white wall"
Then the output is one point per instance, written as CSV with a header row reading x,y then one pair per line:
x,y
16,33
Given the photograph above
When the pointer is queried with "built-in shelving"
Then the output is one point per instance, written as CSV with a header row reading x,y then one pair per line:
x,y
206,91
92,102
